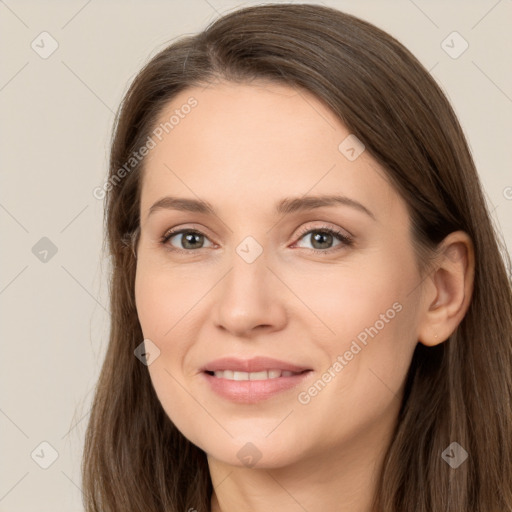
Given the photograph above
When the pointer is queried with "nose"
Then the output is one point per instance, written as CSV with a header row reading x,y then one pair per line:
x,y
250,299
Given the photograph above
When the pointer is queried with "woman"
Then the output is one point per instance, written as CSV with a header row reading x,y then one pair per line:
x,y
340,336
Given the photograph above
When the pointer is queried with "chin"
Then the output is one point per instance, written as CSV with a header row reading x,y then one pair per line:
x,y
252,452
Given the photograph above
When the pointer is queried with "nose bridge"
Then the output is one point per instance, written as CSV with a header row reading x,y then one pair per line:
x,y
247,284
249,294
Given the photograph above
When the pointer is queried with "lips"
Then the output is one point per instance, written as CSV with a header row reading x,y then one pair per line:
x,y
247,381
256,364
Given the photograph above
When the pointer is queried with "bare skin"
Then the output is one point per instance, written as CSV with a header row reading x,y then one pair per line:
x,y
243,148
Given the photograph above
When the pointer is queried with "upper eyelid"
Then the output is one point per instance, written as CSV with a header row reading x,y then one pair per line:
x,y
325,225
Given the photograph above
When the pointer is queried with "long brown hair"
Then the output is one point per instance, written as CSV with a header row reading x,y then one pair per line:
x,y
135,459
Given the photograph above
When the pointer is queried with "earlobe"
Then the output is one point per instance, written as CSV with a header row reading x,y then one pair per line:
x,y
450,288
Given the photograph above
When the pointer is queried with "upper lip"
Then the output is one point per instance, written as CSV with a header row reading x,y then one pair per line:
x,y
255,364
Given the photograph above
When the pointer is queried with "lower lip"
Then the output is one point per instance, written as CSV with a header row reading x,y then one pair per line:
x,y
252,391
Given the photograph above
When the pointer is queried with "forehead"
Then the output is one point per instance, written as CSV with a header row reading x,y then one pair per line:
x,y
257,143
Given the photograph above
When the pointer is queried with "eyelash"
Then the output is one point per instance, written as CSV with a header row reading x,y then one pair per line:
x,y
346,240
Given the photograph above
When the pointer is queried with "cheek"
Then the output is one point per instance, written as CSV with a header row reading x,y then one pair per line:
x,y
177,402
162,301
378,351
369,319
368,360
163,297
348,302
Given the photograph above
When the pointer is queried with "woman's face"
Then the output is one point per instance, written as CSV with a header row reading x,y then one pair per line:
x,y
260,278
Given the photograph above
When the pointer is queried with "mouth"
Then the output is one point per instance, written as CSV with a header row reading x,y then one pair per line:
x,y
254,365
262,375
252,380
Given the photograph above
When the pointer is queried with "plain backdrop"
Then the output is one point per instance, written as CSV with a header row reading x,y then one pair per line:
x,y
57,111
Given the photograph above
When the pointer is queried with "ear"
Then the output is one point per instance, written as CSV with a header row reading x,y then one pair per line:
x,y
447,290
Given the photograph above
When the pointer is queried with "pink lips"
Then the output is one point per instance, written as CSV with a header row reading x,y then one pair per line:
x,y
256,364
252,391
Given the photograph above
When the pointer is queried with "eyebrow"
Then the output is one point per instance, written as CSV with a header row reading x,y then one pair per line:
x,y
283,207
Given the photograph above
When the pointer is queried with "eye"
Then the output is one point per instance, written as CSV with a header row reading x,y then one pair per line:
x,y
191,239
323,238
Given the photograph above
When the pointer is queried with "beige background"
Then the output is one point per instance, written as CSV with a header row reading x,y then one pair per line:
x,y
57,114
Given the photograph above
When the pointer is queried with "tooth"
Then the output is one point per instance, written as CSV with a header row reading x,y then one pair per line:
x,y
258,375
262,375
